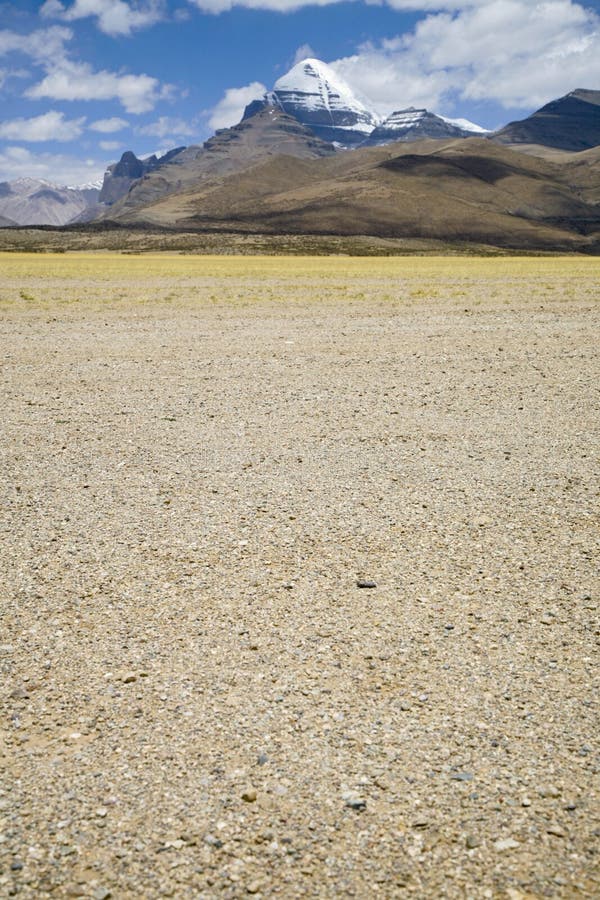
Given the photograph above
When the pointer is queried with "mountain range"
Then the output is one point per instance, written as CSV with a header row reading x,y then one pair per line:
x,y
309,157
31,201
468,190
315,95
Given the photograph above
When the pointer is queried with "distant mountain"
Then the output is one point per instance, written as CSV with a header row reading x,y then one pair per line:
x,y
268,133
315,95
415,124
30,201
119,177
456,190
569,123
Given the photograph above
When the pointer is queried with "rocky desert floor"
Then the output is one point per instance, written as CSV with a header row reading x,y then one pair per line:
x,y
202,462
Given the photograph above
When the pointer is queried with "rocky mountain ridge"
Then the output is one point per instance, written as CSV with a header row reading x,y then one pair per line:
x,y
310,113
32,201
570,123
415,124
119,177
314,94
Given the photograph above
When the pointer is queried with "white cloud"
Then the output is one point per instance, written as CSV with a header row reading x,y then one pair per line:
x,y
67,79
114,17
514,52
19,162
6,74
165,126
230,108
77,81
109,126
304,51
110,145
51,126
219,6
44,45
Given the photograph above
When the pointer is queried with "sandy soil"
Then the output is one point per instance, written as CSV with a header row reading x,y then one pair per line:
x,y
200,461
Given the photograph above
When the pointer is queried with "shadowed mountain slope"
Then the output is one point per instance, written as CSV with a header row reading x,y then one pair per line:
x,y
269,133
119,177
459,190
569,123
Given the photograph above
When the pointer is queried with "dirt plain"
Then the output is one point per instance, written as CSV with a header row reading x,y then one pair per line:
x,y
201,458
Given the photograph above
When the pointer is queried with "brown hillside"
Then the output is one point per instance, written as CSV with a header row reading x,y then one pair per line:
x,y
454,190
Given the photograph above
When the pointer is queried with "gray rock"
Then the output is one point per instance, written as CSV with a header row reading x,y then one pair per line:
x,y
353,800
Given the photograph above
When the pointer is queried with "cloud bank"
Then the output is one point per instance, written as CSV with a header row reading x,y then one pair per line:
x,y
513,52
230,108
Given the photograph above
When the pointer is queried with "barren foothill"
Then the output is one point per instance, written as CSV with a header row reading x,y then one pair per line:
x,y
201,459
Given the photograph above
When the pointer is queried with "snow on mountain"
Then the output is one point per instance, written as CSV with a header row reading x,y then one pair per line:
x,y
88,186
315,95
466,125
32,201
314,86
318,97
417,124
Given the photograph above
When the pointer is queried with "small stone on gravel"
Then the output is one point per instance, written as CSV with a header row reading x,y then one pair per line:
x,y
101,893
506,844
353,800
549,790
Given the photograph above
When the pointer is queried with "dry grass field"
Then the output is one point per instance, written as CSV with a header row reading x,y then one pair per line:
x,y
202,458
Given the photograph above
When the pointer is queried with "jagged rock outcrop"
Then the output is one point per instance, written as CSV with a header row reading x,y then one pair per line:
x,y
119,177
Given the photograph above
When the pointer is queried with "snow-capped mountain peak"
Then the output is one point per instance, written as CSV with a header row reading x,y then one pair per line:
x,y
88,186
315,95
35,201
319,87
466,125
417,124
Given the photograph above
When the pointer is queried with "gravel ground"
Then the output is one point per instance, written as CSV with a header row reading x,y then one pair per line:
x,y
201,462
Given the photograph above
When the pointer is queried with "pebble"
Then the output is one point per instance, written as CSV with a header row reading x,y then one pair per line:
x,y
20,693
366,583
506,844
101,893
549,790
472,841
353,800
249,796
213,841
556,830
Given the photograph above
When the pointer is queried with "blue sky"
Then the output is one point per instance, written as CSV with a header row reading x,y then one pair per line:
x,y
83,80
